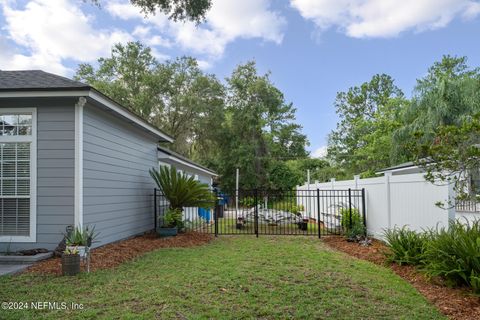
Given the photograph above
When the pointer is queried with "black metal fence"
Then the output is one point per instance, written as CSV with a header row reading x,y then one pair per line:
x,y
269,212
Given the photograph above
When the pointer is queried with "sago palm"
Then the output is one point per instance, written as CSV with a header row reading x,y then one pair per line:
x,y
181,190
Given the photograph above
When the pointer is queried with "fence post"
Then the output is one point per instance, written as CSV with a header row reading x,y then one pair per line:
x,y
364,211
215,214
332,180
155,210
350,207
318,214
256,212
388,175
356,178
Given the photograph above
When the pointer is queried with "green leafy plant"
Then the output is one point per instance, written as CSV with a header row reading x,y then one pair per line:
x,y
182,191
347,222
454,254
81,237
247,201
172,218
406,246
356,233
71,251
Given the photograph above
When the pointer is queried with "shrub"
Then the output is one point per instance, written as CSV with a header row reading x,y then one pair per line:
x,y
173,218
348,223
356,233
454,254
406,246
247,201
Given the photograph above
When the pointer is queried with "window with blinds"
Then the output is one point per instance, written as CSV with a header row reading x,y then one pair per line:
x,y
15,177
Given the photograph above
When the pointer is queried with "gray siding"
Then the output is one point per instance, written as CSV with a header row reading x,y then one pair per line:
x,y
55,169
117,186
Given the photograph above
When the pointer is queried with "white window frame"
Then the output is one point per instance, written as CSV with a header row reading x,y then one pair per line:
x,y
33,171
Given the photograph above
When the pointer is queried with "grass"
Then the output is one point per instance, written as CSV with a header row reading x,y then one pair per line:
x,y
228,226
231,278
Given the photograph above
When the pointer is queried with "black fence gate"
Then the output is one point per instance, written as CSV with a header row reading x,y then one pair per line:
x,y
269,212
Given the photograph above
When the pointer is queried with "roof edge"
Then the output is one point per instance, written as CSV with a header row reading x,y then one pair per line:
x,y
188,161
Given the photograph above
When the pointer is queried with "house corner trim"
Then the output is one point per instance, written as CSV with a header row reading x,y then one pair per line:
x,y
78,198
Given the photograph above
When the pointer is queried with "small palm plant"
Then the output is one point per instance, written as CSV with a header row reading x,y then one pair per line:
x,y
182,191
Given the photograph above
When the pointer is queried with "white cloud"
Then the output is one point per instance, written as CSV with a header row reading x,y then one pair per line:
x,y
52,31
384,18
226,22
320,152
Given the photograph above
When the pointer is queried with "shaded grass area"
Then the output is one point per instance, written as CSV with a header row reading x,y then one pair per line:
x,y
230,278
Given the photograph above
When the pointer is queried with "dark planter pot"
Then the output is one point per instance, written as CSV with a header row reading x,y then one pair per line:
x,y
239,225
303,225
70,264
167,232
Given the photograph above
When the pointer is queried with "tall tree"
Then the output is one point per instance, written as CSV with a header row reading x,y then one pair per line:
x,y
368,114
176,96
259,128
447,95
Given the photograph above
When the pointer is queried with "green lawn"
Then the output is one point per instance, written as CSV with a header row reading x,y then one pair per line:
x,y
231,278
228,226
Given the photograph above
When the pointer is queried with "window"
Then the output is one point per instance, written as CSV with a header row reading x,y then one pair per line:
x,y
17,175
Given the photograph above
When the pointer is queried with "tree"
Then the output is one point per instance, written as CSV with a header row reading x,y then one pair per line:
x,y
442,124
259,129
454,156
175,96
128,76
447,95
176,10
368,113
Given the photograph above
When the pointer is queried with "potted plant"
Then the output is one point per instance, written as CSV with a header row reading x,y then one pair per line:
x,y
240,223
70,262
303,225
168,227
79,239
181,191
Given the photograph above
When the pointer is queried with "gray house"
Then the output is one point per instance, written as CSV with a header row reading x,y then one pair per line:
x,y
69,155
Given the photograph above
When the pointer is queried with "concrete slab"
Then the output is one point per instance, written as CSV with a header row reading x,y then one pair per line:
x,y
12,259
9,269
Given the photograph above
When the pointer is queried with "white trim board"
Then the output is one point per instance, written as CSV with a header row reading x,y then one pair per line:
x,y
33,175
78,195
185,163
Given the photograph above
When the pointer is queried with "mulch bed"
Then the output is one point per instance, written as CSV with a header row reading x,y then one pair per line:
x,y
455,303
114,254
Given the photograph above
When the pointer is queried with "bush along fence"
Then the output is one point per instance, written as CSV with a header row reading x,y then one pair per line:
x,y
451,253
276,212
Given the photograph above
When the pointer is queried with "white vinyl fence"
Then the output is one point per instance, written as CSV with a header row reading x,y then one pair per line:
x,y
398,200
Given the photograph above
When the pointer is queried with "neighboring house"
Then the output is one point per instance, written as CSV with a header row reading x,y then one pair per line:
x,y
403,168
69,155
169,158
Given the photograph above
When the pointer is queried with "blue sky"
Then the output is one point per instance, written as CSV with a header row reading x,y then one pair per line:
x,y
313,48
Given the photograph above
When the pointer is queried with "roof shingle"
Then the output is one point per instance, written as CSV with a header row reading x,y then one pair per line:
x,y
37,80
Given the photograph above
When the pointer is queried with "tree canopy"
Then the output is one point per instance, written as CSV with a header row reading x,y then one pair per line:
x,y
438,128
368,114
242,123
